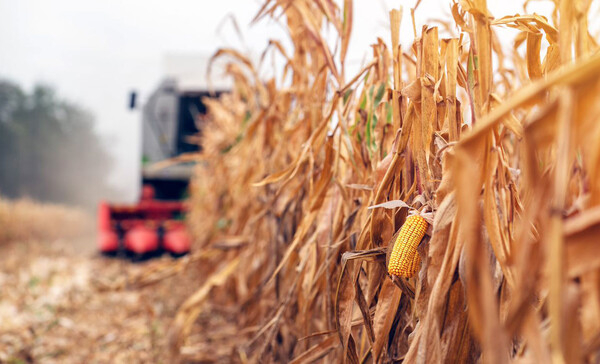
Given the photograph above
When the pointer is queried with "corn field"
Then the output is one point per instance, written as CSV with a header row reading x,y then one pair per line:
x,y
25,220
306,178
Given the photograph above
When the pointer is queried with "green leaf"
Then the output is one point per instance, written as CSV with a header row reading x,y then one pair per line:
x,y
347,95
363,103
470,73
379,95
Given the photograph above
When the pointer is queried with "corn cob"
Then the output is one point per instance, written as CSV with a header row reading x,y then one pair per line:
x,y
405,260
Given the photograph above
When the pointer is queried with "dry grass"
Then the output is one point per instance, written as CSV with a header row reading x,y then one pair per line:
x,y
498,148
25,220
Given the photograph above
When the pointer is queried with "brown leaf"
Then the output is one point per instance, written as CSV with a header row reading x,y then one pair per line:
x,y
389,299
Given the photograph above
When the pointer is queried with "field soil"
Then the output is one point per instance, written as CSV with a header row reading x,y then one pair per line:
x,y
62,302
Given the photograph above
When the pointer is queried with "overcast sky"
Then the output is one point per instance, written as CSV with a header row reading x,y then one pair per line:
x,y
94,52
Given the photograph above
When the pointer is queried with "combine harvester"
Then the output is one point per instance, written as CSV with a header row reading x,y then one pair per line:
x,y
171,119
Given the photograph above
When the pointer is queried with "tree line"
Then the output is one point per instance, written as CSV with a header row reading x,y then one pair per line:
x,y
48,148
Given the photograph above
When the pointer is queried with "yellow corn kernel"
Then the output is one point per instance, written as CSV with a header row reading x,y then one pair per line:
x,y
405,260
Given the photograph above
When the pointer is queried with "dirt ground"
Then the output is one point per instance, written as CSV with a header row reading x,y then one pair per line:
x,y
55,306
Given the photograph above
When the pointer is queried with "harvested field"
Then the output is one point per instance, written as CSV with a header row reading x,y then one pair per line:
x,y
61,302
